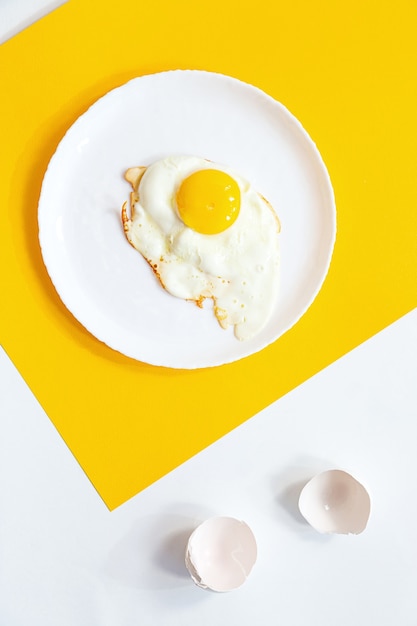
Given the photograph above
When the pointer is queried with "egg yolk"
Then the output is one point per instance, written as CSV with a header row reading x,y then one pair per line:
x,y
208,201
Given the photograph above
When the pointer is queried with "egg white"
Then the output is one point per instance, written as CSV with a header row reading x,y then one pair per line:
x,y
238,268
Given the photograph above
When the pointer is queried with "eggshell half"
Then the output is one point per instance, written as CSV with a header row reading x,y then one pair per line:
x,y
335,502
220,553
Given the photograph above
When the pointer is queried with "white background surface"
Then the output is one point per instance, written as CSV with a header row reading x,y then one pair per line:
x,y
65,559
15,15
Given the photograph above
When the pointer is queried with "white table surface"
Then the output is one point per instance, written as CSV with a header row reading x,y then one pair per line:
x,y
66,560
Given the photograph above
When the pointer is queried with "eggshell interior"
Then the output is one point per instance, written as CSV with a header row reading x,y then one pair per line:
x,y
335,502
221,553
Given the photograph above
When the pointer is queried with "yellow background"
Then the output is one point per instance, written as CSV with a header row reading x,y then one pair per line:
x,y
346,70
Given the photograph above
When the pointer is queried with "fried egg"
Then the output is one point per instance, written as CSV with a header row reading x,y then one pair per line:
x,y
206,233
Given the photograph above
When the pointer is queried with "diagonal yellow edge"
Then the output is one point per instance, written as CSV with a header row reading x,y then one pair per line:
x,y
348,75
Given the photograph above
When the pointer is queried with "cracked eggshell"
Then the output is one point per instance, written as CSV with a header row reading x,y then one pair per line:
x,y
335,502
220,553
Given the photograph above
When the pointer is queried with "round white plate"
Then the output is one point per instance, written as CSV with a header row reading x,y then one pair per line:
x,y
106,284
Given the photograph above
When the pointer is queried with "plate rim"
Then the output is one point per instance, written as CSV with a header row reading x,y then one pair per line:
x,y
267,97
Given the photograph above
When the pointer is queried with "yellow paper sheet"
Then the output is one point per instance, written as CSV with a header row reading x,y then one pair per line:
x,y
347,71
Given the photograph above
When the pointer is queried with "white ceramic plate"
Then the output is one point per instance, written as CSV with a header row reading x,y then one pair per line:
x,y
106,284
